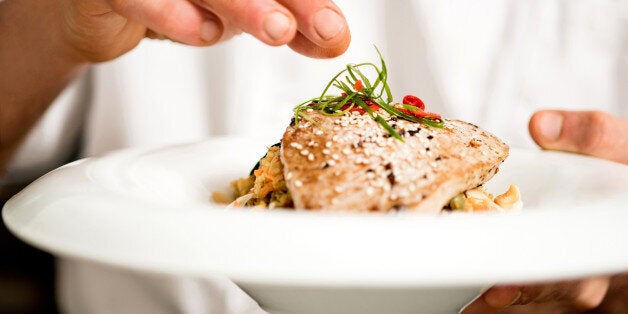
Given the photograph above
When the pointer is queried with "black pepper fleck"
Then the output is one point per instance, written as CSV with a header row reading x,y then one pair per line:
x,y
391,175
399,207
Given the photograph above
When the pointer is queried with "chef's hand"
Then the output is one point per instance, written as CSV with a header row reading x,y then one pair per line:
x,y
101,30
591,133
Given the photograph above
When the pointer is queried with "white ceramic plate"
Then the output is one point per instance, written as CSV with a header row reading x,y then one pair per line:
x,y
151,210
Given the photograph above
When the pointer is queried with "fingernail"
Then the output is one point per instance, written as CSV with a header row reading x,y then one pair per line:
x,y
328,23
516,298
551,124
209,31
276,25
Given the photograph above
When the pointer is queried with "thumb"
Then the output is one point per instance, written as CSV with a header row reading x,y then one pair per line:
x,y
591,133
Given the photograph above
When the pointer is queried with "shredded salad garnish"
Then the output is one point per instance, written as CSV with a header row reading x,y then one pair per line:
x,y
359,94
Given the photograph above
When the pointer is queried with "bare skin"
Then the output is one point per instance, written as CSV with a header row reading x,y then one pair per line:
x,y
45,44
591,133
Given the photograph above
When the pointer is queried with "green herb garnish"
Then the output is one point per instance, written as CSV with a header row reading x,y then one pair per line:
x,y
260,160
358,93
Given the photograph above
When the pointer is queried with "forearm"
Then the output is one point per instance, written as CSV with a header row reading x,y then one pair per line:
x,y
34,68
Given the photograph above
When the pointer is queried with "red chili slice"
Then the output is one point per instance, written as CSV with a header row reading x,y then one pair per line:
x,y
361,110
406,111
358,86
373,105
413,101
425,114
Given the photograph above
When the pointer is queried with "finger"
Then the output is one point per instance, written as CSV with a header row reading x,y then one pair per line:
x,y
178,20
580,295
479,306
501,296
587,132
493,299
304,46
616,299
323,30
267,20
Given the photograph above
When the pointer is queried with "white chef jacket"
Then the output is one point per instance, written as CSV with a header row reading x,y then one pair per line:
x,y
491,62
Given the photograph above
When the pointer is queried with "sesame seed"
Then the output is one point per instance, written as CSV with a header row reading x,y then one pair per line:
x,y
298,183
288,175
310,157
318,132
305,152
335,156
339,189
326,151
296,145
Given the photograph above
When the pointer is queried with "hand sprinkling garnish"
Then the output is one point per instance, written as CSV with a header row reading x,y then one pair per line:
x,y
358,94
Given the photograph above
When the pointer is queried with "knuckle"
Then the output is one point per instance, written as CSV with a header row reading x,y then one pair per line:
x,y
529,294
601,134
166,13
